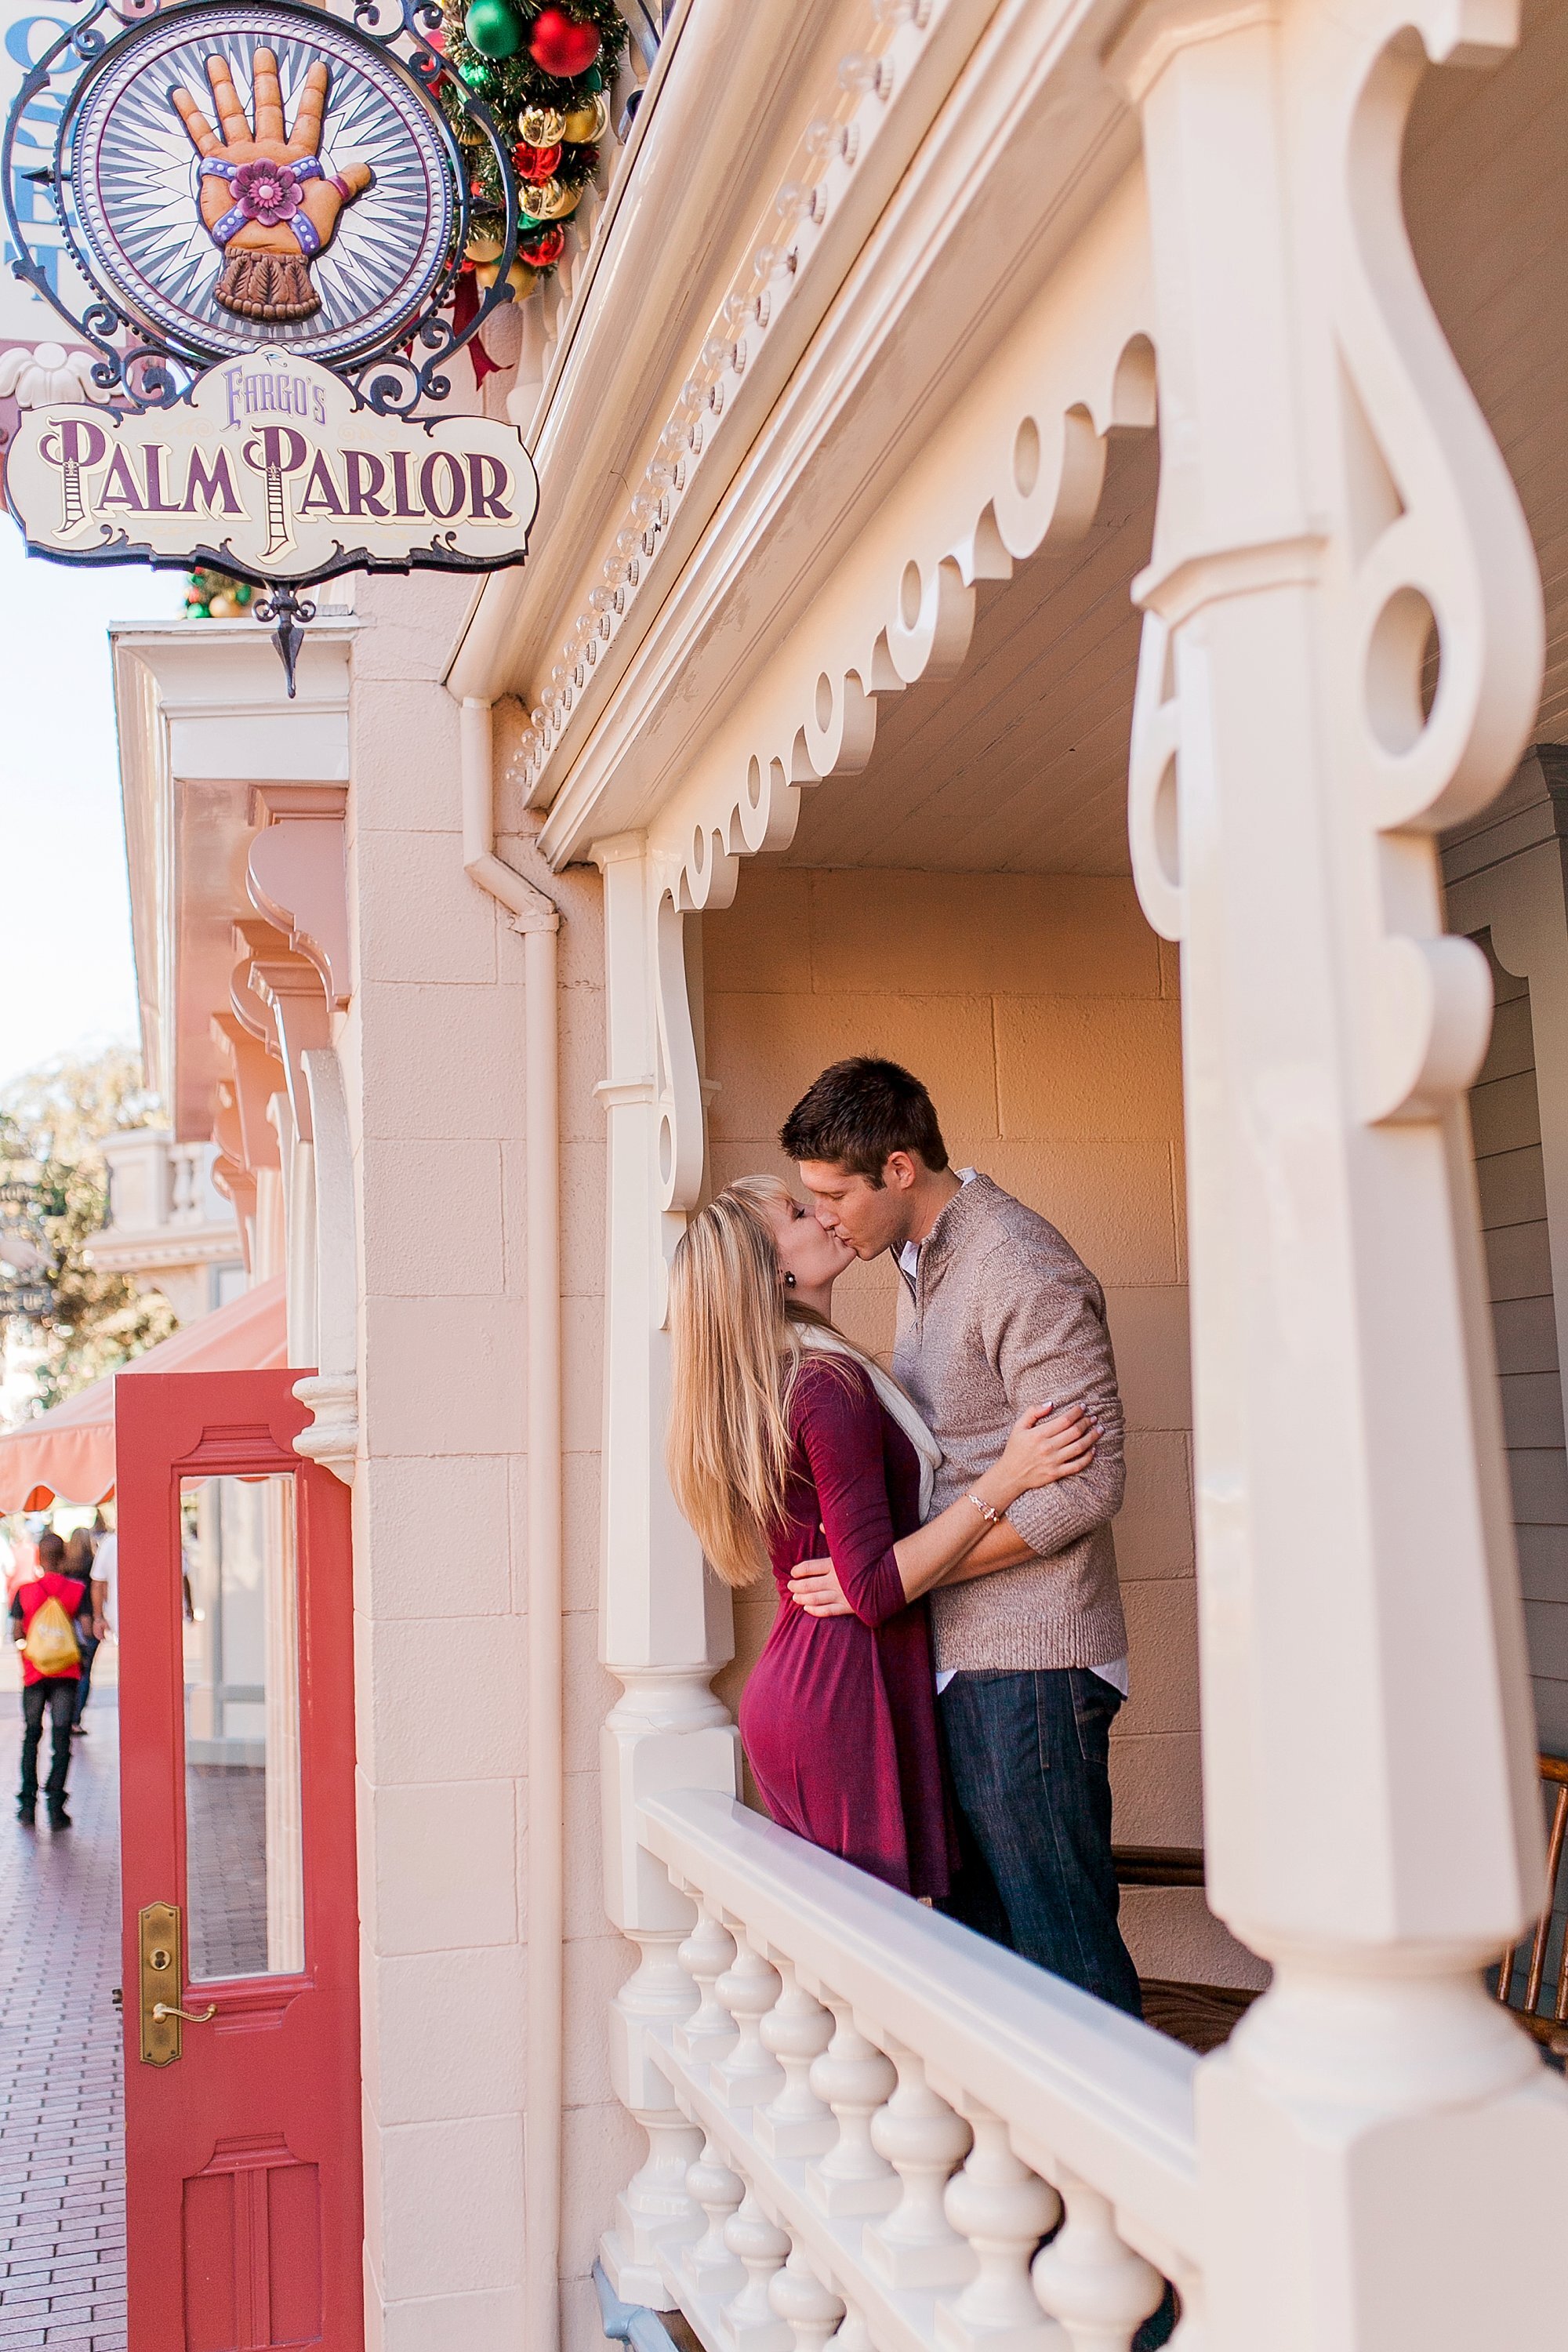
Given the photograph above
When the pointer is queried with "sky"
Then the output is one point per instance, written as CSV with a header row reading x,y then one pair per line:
x,y
66,979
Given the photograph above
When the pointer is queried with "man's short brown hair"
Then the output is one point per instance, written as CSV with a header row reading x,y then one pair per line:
x,y
858,1113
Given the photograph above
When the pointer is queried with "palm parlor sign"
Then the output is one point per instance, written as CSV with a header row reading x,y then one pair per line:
x,y
271,209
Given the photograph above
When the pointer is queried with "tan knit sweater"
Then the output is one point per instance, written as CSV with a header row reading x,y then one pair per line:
x,y
1005,1315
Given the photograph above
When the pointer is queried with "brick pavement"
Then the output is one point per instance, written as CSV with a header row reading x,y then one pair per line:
x,y
62,2162
226,1863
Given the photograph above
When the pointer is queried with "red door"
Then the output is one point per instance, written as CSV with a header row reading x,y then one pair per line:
x,y
242,2087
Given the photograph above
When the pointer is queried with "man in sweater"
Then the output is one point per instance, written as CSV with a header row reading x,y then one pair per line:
x,y
996,1314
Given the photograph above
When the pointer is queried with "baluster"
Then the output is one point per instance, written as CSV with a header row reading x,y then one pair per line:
x,y
748,1989
750,2322
1191,2334
708,2269
653,2210
797,2030
705,1954
1090,2279
853,2335
922,2139
811,2310
1004,2209
855,2079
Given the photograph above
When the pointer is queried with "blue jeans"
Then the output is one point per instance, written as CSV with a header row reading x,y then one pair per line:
x,y
1029,1756
87,1642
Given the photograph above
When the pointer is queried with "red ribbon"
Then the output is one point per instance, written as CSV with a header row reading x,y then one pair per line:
x,y
464,310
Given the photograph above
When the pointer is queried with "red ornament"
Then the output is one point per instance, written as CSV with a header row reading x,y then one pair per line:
x,y
536,164
562,45
545,251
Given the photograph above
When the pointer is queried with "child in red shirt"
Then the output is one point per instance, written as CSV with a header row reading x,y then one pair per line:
x,y
56,1692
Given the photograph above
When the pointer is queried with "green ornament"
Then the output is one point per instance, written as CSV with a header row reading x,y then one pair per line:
x,y
242,594
491,27
478,75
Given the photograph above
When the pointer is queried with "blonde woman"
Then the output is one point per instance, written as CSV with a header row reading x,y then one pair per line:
x,y
786,1443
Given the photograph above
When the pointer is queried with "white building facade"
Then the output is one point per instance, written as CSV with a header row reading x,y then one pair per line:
x,y
1023,583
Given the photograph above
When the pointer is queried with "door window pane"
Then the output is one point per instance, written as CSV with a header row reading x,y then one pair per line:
x,y
244,1889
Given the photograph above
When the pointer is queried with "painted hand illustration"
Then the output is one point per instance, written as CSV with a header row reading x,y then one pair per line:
x,y
266,200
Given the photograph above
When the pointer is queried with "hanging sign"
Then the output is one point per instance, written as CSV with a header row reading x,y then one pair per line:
x,y
26,315
271,471
270,208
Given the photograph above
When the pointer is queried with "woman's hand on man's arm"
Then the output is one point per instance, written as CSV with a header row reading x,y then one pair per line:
x,y
963,1541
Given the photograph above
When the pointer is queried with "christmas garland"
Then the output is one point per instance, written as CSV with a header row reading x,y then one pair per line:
x,y
213,596
544,69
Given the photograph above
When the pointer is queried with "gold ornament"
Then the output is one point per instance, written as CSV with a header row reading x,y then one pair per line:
x,y
482,247
589,120
549,201
541,126
223,608
520,278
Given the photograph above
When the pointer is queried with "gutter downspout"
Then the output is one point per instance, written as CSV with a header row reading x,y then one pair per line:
x,y
538,920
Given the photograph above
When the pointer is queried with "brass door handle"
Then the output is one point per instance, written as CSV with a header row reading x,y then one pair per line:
x,y
163,1973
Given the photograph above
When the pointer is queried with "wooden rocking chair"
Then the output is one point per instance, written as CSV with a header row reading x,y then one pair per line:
x,y
1551,2030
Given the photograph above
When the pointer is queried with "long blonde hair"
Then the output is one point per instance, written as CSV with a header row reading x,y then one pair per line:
x,y
736,1353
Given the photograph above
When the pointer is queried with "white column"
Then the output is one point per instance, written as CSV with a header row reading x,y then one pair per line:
x,y
1381,2154
664,1620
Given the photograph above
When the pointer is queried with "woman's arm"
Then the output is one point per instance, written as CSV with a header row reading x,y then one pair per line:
x,y
961,1543
965,1542
840,1429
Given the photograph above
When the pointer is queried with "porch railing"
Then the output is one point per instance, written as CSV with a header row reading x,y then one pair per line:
x,y
894,2115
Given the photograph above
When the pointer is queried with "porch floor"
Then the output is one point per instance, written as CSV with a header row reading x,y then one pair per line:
x,y
62,2160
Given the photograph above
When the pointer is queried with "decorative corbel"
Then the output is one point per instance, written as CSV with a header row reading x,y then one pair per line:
x,y
256,1075
230,1173
290,988
296,876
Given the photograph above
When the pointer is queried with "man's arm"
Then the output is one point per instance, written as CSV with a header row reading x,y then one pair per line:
x,y
1046,1334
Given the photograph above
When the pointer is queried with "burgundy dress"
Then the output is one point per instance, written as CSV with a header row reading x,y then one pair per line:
x,y
839,1716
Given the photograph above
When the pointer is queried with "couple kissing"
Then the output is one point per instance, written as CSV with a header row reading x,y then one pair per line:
x,y
934,1700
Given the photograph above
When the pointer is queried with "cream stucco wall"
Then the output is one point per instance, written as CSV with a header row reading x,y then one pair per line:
x,y
433,1056
1042,1011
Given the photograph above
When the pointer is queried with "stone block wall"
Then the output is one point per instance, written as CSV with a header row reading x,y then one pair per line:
x,y
433,1052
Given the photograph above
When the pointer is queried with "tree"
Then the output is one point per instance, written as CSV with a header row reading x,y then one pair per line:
x,y
52,1121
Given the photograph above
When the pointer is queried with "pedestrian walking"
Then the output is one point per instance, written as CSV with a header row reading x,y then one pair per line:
x,y
78,1566
43,1615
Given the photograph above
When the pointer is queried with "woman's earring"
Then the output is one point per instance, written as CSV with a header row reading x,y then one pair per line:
x,y
789,1282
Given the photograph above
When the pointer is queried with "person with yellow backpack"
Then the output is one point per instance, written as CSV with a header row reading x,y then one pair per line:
x,y
43,1616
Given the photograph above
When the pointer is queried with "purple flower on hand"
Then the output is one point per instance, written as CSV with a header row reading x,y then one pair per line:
x,y
268,192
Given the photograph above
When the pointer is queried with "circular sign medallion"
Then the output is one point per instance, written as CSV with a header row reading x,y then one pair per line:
x,y
253,176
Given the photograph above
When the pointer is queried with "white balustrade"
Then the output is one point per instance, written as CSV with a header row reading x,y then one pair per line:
x,y
1090,2279
797,2030
811,2310
706,1954
749,2322
923,2139
884,2102
1003,2210
853,2335
748,2074
855,2079
709,2270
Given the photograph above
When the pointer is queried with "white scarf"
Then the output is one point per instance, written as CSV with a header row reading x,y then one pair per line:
x,y
893,1400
